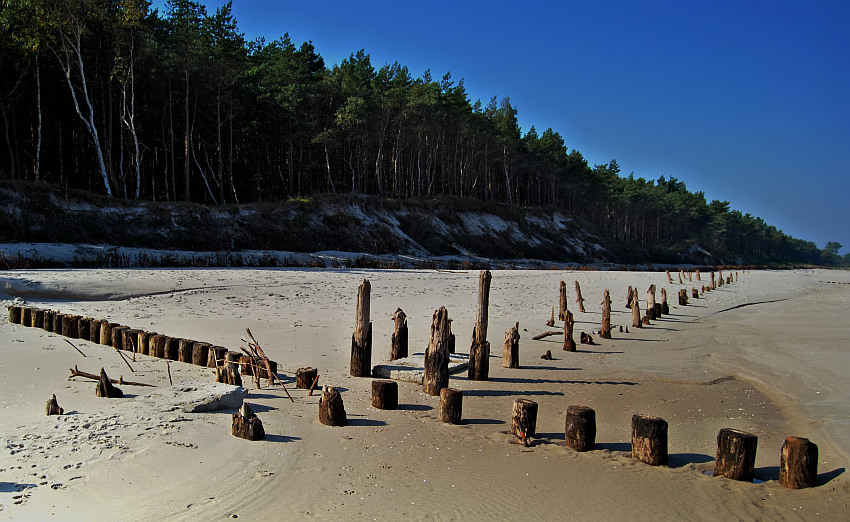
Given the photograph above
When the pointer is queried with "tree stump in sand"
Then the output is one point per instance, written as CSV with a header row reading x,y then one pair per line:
x,y
665,307
304,377
94,330
694,293
606,316
436,371
551,321
510,351
246,424
649,439
569,325
15,314
451,405
398,342
200,352
479,352
580,428
452,339
157,346
384,394
650,302
736,454
47,325
798,463
184,350
585,338
361,339
70,326
247,365
719,278
524,418
53,407
579,299
106,389
331,409
84,328
106,333
172,348
636,320
548,355
562,301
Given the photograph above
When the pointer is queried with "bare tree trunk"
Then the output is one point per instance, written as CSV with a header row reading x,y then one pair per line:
x,y
579,299
479,353
562,301
436,376
38,107
636,321
606,316
361,340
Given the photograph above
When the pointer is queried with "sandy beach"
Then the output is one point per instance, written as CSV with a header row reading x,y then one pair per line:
x,y
765,354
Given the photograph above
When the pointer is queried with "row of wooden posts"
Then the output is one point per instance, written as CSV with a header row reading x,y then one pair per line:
x,y
104,332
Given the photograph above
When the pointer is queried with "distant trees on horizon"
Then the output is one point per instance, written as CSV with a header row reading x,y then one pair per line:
x,y
112,97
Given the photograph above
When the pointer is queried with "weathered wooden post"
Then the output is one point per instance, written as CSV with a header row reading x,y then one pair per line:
x,y
690,276
698,276
47,325
580,428
106,333
713,281
736,454
157,346
216,356
579,299
69,326
694,293
385,394
720,278
649,439
130,340
228,372
200,351
53,407
118,336
629,298
94,329
665,307
84,328
681,274
650,302
361,340
246,425
606,316
304,377
184,350
106,389
172,349
669,279
331,409
398,342
479,353
58,322
551,321
569,325
636,320
26,316
524,418
798,463
451,405
683,297
436,374
562,301
510,351
15,314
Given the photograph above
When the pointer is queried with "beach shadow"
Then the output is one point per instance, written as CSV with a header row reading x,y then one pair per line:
x,y
281,438
365,422
766,473
506,393
523,380
597,351
259,408
415,407
614,446
636,339
482,421
253,395
14,487
547,368
552,438
678,460
825,478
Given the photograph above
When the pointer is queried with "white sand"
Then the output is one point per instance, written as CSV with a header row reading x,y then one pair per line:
x,y
122,458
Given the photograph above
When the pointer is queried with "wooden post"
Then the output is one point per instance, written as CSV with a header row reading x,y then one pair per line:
x,y
649,439
331,409
713,282
798,463
551,321
94,330
510,351
58,321
118,336
385,394
606,316
451,405
47,325
694,293
246,425
683,297
157,346
630,298
15,314
26,316
524,418
37,318
304,377
691,276
569,324
145,343
736,454
106,389
84,328
665,307
479,353
579,299
698,276
217,356
669,279
650,302
228,372
200,352
398,342
106,333
562,302
184,350
70,325
172,348
436,374
720,278
53,407
580,428
130,340
636,320
361,340
681,274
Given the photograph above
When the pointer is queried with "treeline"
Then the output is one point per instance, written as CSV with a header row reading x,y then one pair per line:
x,y
113,97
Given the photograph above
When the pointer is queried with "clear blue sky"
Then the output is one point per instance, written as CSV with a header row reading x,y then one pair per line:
x,y
748,101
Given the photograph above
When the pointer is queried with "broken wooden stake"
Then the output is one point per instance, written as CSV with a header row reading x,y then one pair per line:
x,y
649,439
53,407
451,405
398,341
579,299
606,316
510,351
551,321
569,325
331,409
72,344
105,389
436,368
361,339
246,425
547,356
479,352
562,301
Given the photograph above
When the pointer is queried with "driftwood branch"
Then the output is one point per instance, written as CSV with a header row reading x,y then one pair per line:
x,y
547,334
72,344
77,373
272,376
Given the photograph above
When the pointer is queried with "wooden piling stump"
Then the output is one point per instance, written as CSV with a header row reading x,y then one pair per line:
x,y
200,353
58,321
649,439
106,333
331,409
304,377
637,322
361,339
736,454
84,328
580,428
106,389
94,330
569,325
579,299
118,336
398,342
26,316
479,352
145,343
47,325
606,316
217,356
70,325
172,348
562,301
665,307
130,340
37,318
53,407
436,370
15,314
451,405
385,394
510,351
184,350
694,293
228,372
246,425
524,418
798,463
157,346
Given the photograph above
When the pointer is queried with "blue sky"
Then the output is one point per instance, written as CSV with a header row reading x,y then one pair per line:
x,y
748,101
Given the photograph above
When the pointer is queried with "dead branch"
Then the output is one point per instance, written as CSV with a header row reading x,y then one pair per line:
x,y
547,334
77,373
